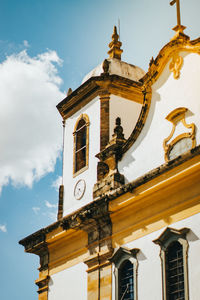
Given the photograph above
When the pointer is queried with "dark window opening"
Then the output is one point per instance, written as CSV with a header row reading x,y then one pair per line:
x,y
175,272
80,145
126,283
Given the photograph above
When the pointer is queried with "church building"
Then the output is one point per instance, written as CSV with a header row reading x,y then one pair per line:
x,y
128,223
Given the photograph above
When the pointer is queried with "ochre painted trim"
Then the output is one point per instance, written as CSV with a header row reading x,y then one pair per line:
x,y
114,84
66,248
167,53
176,116
176,64
172,199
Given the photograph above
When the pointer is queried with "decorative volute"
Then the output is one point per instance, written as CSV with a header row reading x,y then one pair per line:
x,y
115,51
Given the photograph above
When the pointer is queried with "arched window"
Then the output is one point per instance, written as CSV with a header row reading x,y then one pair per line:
x,y
174,247
126,264
125,280
175,271
81,144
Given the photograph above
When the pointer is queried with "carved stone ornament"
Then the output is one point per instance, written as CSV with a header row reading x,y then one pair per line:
x,y
95,221
105,66
175,65
169,235
108,175
184,141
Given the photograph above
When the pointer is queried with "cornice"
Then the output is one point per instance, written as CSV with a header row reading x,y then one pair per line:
x,y
154,173
84,218
114,84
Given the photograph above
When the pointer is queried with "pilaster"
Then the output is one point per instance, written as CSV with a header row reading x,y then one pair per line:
x,y
104,118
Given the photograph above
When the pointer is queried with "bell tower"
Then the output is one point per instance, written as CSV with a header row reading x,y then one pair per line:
x,y
93,116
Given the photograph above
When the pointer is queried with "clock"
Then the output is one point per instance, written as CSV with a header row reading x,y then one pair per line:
x,y
79,189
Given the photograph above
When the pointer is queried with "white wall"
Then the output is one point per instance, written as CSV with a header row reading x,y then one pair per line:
x,y
149,262
92,109
167,95
127,110
69,284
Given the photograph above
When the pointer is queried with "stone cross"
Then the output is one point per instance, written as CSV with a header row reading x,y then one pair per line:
x,y
178,10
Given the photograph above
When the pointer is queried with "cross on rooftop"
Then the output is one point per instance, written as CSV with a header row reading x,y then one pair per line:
x,y
178,10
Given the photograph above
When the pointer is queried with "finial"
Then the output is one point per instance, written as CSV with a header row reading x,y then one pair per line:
x,y
115,51
118,130
69,91
105,66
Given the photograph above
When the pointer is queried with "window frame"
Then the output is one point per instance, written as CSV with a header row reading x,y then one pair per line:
x,y
169,236
119,257
87,123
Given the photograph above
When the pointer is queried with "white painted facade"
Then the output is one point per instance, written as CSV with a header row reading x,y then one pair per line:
x,y
168,94
72,281
146,154
149,281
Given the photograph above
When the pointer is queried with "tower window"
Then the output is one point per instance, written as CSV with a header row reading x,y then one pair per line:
x,y
81,144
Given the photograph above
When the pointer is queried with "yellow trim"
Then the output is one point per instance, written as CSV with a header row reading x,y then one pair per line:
x,y
163,201
66,248
176,64
171,197
166,53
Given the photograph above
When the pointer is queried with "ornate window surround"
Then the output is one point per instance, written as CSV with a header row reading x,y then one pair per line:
x,y
119,257
169,236
176,116
86,119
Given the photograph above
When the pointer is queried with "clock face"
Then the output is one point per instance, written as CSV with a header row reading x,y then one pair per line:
x,y
79,189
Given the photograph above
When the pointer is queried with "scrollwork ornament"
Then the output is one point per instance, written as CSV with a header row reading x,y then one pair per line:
x,y
175,65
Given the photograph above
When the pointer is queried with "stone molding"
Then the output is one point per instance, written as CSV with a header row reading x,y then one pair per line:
x,y
33,242
43,284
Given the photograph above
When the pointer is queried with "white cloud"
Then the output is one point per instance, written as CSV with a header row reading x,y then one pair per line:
x,y
56,184
49,205
26,44
30,138
3,228
36,209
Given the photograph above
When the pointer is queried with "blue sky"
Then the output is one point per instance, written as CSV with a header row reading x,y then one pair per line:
x,y
47,46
